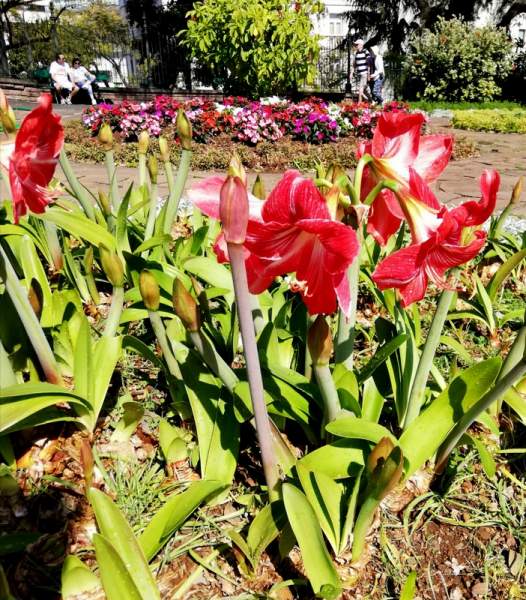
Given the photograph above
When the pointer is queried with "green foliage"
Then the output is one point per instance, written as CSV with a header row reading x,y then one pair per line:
x,y
501,121
255,47
458,62
89,33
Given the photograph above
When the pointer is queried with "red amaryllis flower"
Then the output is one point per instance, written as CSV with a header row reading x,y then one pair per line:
x,y
34,159
442,238
292,232
396,146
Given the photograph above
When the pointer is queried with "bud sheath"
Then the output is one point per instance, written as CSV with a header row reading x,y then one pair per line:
x,y
233,210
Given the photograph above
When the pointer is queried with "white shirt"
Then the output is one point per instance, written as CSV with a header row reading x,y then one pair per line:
x,y
80,74
378,67
59,73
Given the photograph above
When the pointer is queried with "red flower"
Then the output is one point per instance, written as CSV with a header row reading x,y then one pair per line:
x,y
396,146
442,238
292,232
33,162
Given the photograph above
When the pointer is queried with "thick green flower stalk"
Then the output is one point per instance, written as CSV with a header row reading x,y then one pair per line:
x,y
184,131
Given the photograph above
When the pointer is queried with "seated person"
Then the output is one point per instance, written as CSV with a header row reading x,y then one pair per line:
x,y
59,71
82,79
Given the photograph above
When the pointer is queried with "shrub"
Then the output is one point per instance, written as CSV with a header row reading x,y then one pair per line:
x,y
458,62
502,121
254,46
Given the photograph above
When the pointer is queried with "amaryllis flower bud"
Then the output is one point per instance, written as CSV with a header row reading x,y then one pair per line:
x,y
236,169
8,120
517,191
153,168
7,115
185,306
112,266
106,137
233,210
164,150
258,189
150,292
4,104
319,340
184,129
104,202
143,142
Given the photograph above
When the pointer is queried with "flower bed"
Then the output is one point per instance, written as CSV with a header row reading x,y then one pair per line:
x,y
501,121
269,119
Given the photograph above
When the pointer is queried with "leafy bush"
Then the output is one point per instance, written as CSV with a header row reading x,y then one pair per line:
x,y
254,46
502,121
458,62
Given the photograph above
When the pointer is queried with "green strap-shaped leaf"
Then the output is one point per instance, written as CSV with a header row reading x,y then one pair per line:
x,y
116,530
116,580
19,402
504,270
423,437
173,514
77,577
316,559
78,225
354,427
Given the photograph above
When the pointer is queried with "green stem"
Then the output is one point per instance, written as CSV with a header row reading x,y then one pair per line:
x,y
5,178
34,331
255,380
112,179
220,368
54,245
347,323
78,189
329,393
362,525
175,196
381,185
160,333
358,175
169,171
418,389
257,315
142,170
483,404
214,361
152,213
114,315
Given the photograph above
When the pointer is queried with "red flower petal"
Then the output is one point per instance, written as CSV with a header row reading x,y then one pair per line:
x,y
294,197
33,162
433,156
384,217
473,213
396,138
205,195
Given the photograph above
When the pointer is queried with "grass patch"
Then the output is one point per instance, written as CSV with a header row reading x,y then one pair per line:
x,y
500,121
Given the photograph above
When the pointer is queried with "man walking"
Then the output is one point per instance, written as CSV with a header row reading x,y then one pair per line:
x,y
361,64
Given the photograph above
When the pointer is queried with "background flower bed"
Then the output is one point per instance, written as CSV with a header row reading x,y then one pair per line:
x,y
251,121
215,155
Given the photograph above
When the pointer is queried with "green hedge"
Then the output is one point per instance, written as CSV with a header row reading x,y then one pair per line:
x,y
502,121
